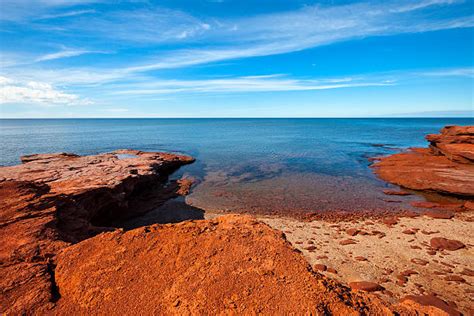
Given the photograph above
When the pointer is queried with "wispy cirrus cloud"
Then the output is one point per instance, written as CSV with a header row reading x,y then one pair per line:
x,y
280,83
453,72
267,34
23,10
66,53
66,14
245,84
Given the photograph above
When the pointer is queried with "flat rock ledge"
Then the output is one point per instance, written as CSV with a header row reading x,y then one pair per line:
x,y
447,166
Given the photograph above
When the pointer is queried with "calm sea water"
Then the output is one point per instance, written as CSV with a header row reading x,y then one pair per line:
x,y
251,164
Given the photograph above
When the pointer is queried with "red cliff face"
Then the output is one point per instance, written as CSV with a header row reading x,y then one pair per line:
x,y
446,167
454,142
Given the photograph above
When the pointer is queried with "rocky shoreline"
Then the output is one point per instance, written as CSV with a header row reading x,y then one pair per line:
x,y
446,167
63,252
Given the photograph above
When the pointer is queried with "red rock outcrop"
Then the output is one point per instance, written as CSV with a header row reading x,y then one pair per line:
x,y
51,201
446,167
229,265
454,142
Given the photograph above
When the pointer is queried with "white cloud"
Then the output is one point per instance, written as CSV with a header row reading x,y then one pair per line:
x,y
144,26
13,91
66,53
279,82
286,32
454,72
229,38
265,83
65,14
420,5
22,10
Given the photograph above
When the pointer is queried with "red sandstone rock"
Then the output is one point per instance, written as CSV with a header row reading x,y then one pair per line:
x,y
455,278
440,243
448,167
185,185
360,258
54,200
439,214
47,157
389,221
429,305
467,272
365,286
429,232
352,231
394,192
424,204
319,267
469,205
454,142
347,242
419,261
331,270
408,272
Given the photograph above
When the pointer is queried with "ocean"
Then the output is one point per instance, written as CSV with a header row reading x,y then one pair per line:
x,y
246,165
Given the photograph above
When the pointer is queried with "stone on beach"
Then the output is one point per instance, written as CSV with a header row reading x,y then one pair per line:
x,y
440,243
365,286
347,242
352,231
320,267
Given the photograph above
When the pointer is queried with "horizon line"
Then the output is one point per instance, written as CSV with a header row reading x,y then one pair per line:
x,y
242,117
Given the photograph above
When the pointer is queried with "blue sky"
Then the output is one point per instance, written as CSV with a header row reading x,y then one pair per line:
x,y
236,58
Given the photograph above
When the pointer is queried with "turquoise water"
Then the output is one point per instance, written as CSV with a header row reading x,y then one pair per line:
x,y
239,160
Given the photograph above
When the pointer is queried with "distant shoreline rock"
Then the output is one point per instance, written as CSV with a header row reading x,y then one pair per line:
x,y
446,167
